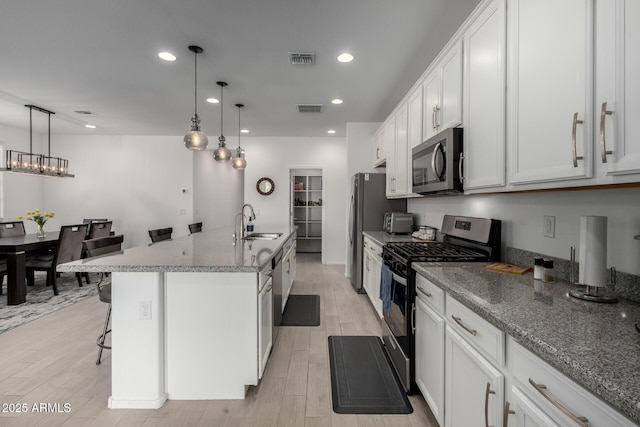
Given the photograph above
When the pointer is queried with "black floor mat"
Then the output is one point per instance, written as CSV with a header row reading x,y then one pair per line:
x,y
362,378
302,310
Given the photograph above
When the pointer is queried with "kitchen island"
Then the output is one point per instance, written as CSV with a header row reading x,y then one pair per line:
x,y
185,316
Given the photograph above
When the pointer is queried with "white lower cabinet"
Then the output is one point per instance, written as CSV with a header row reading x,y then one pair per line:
x,y
474,387
265,327
558,398
430,357
522,412
372,270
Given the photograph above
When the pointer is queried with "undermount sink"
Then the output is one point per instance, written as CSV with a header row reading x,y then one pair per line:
x,y
262,236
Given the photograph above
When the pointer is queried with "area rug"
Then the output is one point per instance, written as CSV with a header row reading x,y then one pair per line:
x,y
302,310
362,378
41,301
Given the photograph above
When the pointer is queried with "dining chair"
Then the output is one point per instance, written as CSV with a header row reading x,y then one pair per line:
x,y
8,229
196,227
90,220
99,229
12,228
160,234
68,248
98,247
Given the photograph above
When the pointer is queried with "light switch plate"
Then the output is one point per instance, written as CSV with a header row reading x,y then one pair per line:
x,y
549,226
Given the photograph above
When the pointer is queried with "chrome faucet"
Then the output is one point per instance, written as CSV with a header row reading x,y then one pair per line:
x,y
252,216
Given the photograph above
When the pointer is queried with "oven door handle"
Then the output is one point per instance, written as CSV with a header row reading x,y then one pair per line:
x,y
400,279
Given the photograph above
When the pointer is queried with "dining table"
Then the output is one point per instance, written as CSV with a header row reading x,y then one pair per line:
x,y
16,248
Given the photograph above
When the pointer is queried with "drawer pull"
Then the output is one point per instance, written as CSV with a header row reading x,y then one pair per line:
x,y
542,389
424,292
507,412
459,322
413,318
486,404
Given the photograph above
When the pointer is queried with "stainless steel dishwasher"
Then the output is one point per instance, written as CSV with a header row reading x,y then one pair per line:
x,y
276,264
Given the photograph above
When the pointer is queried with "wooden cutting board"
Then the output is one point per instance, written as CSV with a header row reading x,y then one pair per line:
x,y
508,268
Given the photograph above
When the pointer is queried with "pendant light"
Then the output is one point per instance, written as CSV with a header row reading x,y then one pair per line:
x,y
222,153
196,140
33,163
239,162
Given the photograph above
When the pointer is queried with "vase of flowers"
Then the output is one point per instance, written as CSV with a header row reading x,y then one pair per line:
x,y
39,219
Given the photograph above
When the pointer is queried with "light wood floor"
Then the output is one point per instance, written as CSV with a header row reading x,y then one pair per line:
x,y
52,360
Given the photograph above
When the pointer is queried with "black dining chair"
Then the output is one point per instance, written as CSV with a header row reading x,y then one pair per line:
x,y
12,228
99,229
160,234
97,247
68,248
8,229
196,227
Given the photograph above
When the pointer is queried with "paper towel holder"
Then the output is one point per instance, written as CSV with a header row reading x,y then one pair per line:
x,y
590,293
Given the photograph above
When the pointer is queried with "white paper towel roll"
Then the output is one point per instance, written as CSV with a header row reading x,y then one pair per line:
x,y
593,250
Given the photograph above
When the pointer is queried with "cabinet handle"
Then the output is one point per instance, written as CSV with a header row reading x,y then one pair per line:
x,y
459,322
603,144
507,412
378,153
486,404
460,174
433,119
413,318
423,291
541,388
576,122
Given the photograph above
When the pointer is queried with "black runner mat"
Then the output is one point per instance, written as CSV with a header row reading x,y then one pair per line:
x,y
302,310
362,378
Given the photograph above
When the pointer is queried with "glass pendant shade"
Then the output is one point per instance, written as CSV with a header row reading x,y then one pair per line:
x,y
196,140
222,153
239,162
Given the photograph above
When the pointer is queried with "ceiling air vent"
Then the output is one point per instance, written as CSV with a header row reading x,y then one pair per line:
x,y
302,58
309,108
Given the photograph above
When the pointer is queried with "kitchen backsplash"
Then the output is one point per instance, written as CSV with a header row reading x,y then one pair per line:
x,y
626,285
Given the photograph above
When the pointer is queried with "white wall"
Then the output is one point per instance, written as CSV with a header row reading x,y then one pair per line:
x,y
21,192
273,158
136,181
218,191
522,215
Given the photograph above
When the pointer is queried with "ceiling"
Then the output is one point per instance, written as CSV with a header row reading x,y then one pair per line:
x,y
101,56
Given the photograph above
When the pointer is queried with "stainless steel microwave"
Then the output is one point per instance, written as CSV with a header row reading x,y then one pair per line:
x,y
437,164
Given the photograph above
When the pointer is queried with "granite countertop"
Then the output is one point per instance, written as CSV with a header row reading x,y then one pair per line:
x,y
207,251
594,344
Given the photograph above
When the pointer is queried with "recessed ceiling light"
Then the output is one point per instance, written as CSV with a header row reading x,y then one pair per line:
x,y
336,101
244,131
90,126
331,131
213,100
167,56
345,57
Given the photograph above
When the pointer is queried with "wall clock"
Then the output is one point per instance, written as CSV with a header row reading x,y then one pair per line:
x,y
265,186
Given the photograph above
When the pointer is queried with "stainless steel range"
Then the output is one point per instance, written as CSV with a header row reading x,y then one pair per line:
x,y
465,239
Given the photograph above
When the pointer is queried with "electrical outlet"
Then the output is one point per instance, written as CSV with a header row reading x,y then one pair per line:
x,y
549,226
145,310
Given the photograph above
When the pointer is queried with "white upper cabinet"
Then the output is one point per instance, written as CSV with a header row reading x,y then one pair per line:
x,y
484,99
378,148
442,94
389,142
617,129
549,90
414,133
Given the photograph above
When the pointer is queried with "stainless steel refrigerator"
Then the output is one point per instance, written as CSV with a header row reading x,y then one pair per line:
x,y
366,213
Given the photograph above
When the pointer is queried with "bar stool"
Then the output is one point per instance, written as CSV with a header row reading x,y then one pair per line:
x,y
103,246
